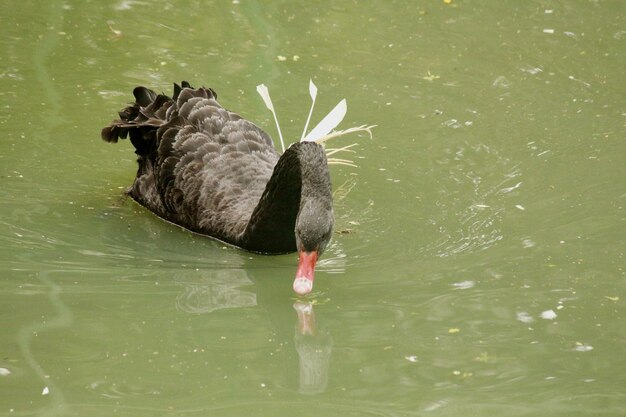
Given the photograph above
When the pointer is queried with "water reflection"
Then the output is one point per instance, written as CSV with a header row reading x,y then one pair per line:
x,y
218,291
224,289
482,183
314,348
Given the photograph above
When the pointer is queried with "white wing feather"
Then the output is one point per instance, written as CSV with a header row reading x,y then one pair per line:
x,y
265,95
328,123
313,93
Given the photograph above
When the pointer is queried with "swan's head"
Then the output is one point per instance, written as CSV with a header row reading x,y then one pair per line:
x,y
314,227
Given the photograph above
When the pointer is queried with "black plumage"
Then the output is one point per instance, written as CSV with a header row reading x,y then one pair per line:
x,y
211,171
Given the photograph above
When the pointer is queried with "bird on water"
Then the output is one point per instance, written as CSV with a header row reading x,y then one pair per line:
x,y
213,172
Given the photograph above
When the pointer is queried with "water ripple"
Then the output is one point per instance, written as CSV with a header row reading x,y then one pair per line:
x,y
475,224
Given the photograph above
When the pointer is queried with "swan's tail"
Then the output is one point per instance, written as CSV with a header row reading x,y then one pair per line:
x,y
141,120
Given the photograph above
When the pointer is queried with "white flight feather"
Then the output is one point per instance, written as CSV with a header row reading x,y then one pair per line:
x,y
328,123
313,93
324,129
265,95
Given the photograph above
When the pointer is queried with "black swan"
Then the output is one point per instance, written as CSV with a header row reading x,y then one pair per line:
x,y
209,170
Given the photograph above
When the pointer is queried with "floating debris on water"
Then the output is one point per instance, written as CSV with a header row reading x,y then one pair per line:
x,y
531,70
430,77
501,82
453,123
548,315
509,189
586,84
524,317
464,285
582,347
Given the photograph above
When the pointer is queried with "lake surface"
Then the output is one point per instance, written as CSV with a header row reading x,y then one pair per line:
x,y
478,267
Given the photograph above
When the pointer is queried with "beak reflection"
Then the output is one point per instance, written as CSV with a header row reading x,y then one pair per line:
x,y
314,347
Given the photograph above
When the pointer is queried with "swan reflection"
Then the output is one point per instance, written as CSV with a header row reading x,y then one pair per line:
x,y
218,291
224,289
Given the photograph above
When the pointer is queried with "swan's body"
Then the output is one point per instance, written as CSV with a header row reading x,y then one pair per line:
x,y
213,172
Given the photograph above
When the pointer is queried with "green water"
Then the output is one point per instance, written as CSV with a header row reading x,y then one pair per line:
x,y
479,264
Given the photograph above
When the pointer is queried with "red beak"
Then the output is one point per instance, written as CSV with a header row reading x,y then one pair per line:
x,y
303,284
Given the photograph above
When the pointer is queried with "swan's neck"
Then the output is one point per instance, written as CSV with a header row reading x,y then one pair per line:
x,y
300,176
